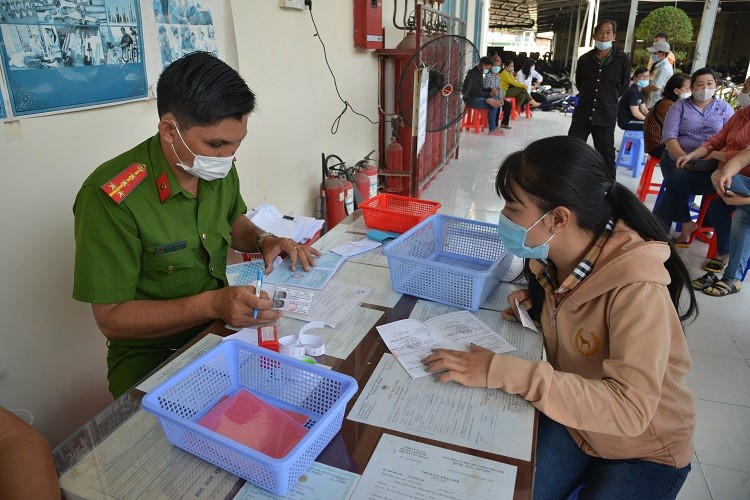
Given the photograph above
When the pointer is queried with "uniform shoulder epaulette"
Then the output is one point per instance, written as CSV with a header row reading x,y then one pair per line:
x,y
123,183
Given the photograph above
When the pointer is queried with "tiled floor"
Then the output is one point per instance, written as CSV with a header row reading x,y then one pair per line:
x,y
719,340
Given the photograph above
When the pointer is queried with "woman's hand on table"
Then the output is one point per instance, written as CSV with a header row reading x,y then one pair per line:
x,y
466,368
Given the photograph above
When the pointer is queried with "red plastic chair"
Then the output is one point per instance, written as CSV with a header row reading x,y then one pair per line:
x,y
646,187
513,110
475,118
703,233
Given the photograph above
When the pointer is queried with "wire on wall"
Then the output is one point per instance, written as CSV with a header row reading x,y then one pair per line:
x,y
337,121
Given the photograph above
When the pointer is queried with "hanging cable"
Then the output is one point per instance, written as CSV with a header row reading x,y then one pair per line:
x,y
337,121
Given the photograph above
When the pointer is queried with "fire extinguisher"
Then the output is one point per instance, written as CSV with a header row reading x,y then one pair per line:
x,y
394,160
332,195
366,178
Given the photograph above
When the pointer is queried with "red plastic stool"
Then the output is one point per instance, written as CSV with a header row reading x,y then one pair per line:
x,y
474,118
526,109
705,234
513,109
646,187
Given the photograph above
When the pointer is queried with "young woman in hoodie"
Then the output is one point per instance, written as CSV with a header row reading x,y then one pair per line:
x,y
617,417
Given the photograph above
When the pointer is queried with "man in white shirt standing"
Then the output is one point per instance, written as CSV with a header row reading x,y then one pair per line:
x,y
662,70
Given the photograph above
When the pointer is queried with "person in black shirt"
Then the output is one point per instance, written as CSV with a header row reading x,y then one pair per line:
x,y
632,110
602,75
475,95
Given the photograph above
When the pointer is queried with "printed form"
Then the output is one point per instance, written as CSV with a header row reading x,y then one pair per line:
x,y
484,419
411,340
373,257
319,482
401,468
379,278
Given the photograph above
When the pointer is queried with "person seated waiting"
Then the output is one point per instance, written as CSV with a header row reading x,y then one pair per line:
x,y
632,110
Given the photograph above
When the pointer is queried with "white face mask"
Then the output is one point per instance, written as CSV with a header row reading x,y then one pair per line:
x,y
685,95
704,94
208,168
743,99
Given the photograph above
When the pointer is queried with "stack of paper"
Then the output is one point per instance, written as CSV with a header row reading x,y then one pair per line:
x,y
297,227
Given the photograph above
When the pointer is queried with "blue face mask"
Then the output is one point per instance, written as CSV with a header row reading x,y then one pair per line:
x,y
642,83
602,45
496,69
485,71
513,237
655,58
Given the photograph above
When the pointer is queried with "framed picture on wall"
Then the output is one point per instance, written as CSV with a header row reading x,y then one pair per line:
x,y
175,28
63,55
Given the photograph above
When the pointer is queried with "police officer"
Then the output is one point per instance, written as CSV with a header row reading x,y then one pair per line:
x,y
154,224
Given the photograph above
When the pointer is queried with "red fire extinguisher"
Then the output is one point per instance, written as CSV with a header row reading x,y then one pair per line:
x,y
394,158
332,192
366,178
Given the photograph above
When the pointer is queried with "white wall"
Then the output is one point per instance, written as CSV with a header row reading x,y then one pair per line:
x,y
52,356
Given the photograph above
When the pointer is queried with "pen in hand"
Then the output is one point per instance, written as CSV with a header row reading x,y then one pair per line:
x,y
258,286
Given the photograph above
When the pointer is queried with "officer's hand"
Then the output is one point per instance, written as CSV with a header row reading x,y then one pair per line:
x,y
234,305
303,254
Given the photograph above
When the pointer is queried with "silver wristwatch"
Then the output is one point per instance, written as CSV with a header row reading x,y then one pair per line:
x,y
259,241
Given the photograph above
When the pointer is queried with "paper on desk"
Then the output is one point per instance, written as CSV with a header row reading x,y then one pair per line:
x,y
411,340
192,353
342,340
498,299
334,303
334,239
317,277
246,273
137,461
378,278
525,318
528,344
248,334
297,227
318,482
359,226
484,419
355,247
401,468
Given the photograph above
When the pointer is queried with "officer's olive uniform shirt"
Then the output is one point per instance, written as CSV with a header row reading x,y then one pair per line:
x,y
146,249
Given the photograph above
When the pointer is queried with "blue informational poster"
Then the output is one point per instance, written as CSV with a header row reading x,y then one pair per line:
x,y
68,54
3,114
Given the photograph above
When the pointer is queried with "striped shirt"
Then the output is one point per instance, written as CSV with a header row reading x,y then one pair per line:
x,y
546,276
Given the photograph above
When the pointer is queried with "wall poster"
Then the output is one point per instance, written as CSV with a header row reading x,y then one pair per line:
x,y
67,54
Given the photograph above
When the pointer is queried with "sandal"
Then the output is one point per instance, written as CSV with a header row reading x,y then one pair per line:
x,y
722,288
708,279
714,266
680,244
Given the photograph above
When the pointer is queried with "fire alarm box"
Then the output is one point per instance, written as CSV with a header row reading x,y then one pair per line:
x,y
368,24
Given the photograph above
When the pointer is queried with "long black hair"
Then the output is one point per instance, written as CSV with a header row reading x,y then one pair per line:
x,y
526,70
565,171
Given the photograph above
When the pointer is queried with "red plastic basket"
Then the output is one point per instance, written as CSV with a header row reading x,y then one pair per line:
x,y
390,212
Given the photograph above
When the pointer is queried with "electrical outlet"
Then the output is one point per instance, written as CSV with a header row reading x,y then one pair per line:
x,y
292,4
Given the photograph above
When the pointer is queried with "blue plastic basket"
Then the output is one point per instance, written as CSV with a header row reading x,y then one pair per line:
x,y
282,381
449,260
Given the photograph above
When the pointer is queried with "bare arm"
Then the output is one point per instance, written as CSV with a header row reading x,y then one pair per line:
x,y
698,153
26,466
674,147
637,113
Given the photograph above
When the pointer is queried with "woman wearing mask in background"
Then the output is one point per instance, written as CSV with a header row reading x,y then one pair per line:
x,y
513,88
690,122
531,78
632,111
618,417
720,147
678,86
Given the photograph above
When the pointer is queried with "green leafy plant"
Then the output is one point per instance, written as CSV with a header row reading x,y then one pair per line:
x,y
670,20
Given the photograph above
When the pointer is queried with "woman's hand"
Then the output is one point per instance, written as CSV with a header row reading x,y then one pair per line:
x,y
466,368
524,299
682,160
721,181
273,246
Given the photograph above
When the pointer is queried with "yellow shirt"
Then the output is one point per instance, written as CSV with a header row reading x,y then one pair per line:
x,y
507,80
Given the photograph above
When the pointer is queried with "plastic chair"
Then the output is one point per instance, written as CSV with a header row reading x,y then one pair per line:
x,y
526,109
646,187
570,104
513,109
631,154
704,233
475,118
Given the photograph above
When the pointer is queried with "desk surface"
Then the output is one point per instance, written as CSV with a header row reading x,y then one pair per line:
x,y
351,449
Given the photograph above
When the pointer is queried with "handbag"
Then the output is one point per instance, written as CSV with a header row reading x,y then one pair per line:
x,y
701,166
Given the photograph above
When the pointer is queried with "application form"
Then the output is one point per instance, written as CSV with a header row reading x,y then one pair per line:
x,y
401,468
484,419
